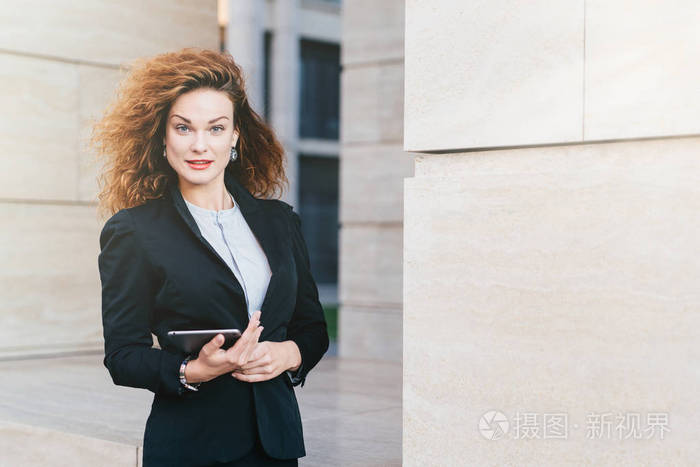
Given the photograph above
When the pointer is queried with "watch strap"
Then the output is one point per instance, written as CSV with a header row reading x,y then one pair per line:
x,y
183,381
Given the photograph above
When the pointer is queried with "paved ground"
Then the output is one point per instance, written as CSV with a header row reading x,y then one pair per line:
x,y
351,409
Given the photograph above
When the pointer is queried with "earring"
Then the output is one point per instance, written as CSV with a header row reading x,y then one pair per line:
x,y
164,153
234,154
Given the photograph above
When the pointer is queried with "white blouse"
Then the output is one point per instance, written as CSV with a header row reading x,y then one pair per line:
x,y
229,234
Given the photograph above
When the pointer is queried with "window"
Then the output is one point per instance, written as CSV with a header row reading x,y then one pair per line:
x,y
319,101
318,209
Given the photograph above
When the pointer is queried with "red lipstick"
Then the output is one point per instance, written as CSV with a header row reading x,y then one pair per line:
x,y
199,164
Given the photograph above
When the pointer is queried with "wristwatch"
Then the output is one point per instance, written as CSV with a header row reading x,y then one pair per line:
x,y
183,381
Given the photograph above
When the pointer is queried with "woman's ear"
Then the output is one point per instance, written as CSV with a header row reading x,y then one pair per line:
x,y
235,138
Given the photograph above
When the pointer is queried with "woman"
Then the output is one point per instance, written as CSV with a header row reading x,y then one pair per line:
x,y
189,247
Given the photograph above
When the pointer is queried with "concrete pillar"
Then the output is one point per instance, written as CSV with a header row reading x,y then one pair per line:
x,y
372,170
244,41
284,80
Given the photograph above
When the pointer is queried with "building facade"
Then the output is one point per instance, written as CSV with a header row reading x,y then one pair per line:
x,y
338,112
374,166
60,67
290,53
551,233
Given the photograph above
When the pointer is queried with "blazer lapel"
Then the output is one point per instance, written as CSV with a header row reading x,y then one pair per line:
x,y
255,216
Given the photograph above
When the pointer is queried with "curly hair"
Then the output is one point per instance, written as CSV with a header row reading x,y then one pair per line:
x,y
130,133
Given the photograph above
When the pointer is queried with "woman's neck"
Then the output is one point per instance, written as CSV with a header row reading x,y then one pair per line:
x,y
212,196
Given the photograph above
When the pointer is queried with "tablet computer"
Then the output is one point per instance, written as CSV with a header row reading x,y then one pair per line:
x,y
191,342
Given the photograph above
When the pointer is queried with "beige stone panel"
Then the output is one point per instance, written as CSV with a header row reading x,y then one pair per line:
x,y
642,68
370,264
372,103
97,88
558,280
371,182
29,445
369,332
492,73
581,162
320,21
374,37
39,131
49,280
105,31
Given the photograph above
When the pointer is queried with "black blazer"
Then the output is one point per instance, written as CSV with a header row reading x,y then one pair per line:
x,y
159,274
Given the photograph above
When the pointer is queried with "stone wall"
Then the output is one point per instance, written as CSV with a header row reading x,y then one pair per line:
x,y
60,63
551,232
373,166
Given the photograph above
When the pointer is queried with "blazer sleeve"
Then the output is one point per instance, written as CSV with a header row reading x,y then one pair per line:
x,y
307,328
127,299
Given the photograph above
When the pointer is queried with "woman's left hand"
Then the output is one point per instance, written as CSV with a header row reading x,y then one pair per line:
x,y
267,360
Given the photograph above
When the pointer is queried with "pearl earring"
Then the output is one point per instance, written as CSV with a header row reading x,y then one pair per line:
x,y
164,153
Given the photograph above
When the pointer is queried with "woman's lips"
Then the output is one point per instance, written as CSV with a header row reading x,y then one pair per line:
x,y
198,166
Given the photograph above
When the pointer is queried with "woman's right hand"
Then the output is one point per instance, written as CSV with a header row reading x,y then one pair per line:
x,y
213,361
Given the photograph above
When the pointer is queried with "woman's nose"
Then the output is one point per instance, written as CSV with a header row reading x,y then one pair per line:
x,y
200,142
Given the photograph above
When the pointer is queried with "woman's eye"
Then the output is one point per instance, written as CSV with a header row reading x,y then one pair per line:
x,y
181,127
218,128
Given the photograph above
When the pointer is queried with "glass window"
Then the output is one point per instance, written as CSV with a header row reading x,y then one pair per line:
x,y
318,209
319,101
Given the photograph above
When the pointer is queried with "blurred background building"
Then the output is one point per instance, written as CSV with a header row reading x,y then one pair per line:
x,y
351,210
60,77
328,77
290,53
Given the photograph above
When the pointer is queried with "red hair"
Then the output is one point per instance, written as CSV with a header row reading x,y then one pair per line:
x,y
129,136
